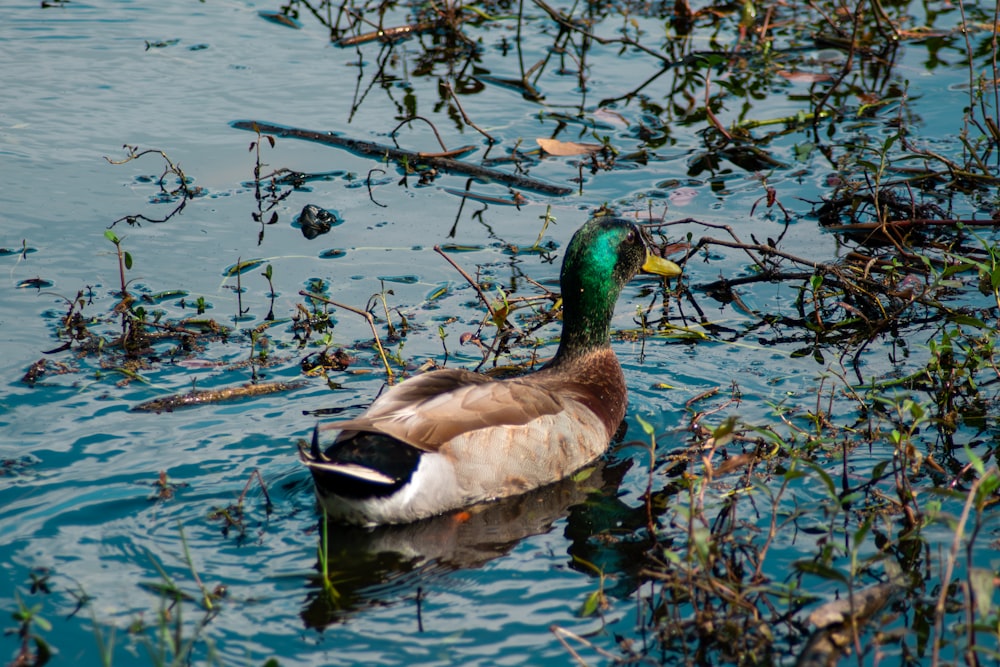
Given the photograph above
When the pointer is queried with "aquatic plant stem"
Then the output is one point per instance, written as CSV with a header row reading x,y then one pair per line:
x,y
939,608
371,323
324,552
468,278
451,91
206,595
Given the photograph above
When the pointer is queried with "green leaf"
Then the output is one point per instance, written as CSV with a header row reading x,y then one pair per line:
x,y
42,651
702,542
861,533
590,605
975,460
969,320
672,556
42,624
128,260
160,297
961,267
793,474
989,484
803,151
438,292
242,267
587,564
981,580
111,236
647,428
723,433
710,60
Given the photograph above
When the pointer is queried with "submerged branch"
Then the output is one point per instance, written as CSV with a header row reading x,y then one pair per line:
x,y
206,396
381,152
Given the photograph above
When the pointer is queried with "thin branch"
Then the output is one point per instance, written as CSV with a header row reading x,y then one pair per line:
x,y
371,323
468,278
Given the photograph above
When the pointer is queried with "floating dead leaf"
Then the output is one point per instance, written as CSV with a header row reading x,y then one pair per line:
x,y
733,463
804,77
563,148
839,621
869,99
863,604
279,18
674,248
612,117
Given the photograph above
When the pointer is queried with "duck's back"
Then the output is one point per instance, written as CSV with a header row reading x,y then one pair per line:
x,y
452,438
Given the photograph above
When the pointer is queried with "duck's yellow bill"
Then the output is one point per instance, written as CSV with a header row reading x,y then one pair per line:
x,y
660,266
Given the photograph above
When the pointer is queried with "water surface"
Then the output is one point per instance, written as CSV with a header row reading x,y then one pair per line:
x,y
80,503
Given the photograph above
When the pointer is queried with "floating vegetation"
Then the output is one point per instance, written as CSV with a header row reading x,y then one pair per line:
x,y
455,247
280,18
314,221
23,251
407,279
167,295
172,174
35,283
243,266
212,396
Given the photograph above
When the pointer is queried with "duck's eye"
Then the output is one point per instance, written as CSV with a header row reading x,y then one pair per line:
x,y
630,236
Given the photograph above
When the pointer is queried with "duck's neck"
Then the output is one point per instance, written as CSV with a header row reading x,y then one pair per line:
x,y
586,322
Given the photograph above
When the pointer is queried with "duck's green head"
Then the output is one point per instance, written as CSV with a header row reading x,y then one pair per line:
x,y
603,255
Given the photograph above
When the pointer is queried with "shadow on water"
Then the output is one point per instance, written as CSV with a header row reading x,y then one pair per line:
x,y
386,564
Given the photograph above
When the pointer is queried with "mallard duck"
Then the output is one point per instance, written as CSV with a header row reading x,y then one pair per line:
x,y
451,438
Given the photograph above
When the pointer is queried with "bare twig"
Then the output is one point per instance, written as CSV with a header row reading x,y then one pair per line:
x,y
451,91
468,278
371,323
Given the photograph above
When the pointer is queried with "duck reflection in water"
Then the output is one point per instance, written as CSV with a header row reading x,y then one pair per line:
x,y
386,564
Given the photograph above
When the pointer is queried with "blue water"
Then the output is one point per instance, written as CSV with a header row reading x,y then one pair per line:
x,y
80,506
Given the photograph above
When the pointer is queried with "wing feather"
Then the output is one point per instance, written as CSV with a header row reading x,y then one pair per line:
x,y
363,473
430,410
